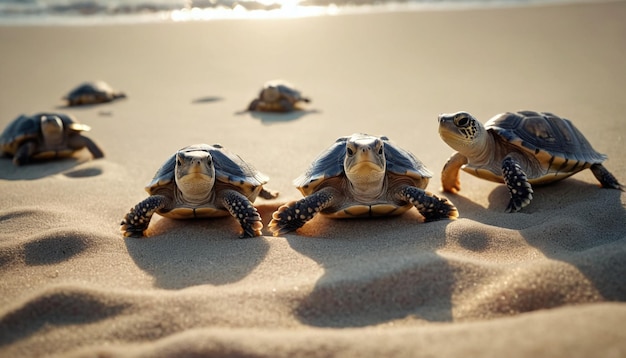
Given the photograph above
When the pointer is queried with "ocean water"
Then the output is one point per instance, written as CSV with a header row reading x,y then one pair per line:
x,y
80,12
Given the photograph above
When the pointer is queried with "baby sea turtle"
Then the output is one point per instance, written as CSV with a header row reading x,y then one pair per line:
x,y
45,136
519,149
92,93
360,176
201,181
277,96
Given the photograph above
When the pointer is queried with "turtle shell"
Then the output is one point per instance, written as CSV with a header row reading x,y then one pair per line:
x,y
558,146
229,169
330,164
285,89
25,128
92,92
289,92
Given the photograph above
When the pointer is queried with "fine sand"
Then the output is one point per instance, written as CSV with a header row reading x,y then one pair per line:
x,y
548,281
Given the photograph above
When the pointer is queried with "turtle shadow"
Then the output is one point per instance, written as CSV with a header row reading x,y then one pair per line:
x,y
375,271
577,223
86,106
206,99
269,118
185,253
467,208
582,225
42,169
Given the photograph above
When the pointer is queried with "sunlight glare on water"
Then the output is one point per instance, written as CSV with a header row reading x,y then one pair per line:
x,y
271,9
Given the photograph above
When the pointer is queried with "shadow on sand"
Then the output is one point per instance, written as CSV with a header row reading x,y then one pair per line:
x,y
42,169
185,253
374,272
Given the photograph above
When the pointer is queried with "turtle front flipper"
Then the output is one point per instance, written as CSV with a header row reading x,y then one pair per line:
x,y
24,153
242,209
82,141
268,194
520,189
429,205
450,174
293,215
606,179
254,105
285,105
138,218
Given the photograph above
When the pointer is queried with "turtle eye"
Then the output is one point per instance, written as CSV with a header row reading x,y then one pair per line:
x,y
461,121
350,151
178,162
380,150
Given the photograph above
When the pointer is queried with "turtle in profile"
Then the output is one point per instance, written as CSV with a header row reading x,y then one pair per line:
x,y
201,181
45,136
277,96
92,93
362,176
519,149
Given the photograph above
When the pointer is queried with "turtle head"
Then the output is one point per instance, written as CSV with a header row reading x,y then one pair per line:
x,y
52,129
365,163
195,174
462,132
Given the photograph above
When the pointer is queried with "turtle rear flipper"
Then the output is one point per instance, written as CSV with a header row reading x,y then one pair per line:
x,y
430,206
242,209
138,218
606,179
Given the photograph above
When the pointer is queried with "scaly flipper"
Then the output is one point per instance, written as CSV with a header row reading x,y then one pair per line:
x,y
138,218
430,206
293,215
606,179
519,187
24,153
242,209
450,173
82,141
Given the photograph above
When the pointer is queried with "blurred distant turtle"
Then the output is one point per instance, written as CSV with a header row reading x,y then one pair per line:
x,y
277,96
362,176
519,149
45,136
202,181
92,93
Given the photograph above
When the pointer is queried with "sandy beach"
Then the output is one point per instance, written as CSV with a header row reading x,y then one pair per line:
x,y
548,281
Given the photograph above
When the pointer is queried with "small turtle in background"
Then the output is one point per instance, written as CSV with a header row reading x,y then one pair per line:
x,y
362,176
277,96
92,93
201,181
45,136
519,149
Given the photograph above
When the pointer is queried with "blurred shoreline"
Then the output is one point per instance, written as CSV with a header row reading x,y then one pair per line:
x,y
101,12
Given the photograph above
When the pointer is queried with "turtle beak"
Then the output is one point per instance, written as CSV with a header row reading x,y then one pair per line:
x,y
442,118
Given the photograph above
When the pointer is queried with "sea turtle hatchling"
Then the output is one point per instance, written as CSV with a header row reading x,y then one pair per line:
x,y
519,149
92,93
277,96
361,176
201,181
45,136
